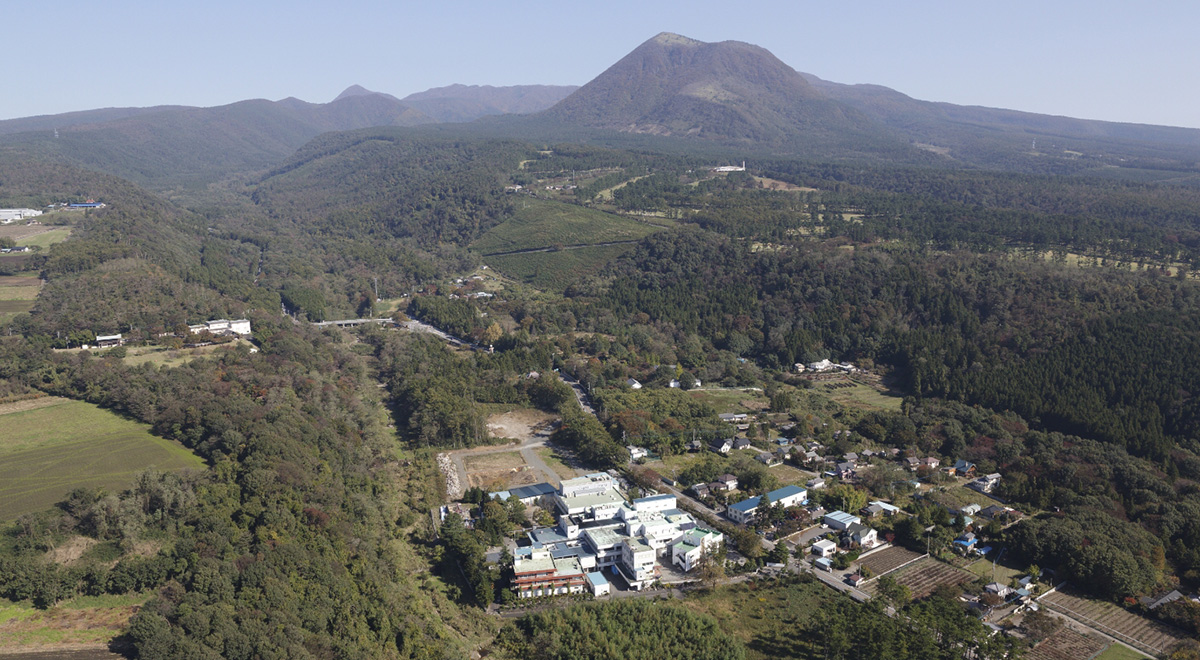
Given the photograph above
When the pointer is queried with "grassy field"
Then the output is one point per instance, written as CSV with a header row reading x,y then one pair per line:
x,y
539,223
731,400
770,620
17,293
857,395
83,620
167,357
46,238
555,271
48,451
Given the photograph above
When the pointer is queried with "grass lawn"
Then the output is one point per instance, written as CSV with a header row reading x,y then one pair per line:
x,y
770,619
539,223
1120,652
1004,574
556,270
790,475
45,239
46,452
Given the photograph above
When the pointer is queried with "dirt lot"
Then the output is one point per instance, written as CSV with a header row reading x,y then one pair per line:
x,y
523,425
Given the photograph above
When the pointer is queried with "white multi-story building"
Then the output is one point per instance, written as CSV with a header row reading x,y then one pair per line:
x,y
637,563
687,552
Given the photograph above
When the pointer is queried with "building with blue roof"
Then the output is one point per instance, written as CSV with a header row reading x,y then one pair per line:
x,y
598,584
743,512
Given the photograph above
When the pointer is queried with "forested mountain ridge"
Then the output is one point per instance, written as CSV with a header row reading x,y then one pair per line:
x,y
190,146
459,103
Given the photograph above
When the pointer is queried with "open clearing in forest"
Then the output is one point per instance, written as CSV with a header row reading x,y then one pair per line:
x,y
558,269
538,224
924,576
51,448
1138,631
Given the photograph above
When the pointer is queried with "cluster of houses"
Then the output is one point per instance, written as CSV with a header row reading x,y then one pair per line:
x,y
601,534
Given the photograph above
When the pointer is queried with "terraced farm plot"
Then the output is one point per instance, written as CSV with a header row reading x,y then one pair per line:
x,y
924,576
1138,631
47,451
888,559
539,224
1066,644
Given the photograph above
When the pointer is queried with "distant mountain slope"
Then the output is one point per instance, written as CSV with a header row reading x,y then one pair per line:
x,y
68,119
190,146
981,134
461,103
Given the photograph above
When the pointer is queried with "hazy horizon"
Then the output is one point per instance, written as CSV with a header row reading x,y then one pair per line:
x,y
1092,60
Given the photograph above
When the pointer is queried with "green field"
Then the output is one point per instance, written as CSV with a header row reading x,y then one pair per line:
x,y
862,396
46,238
555,271
1003,575
48,451
538,223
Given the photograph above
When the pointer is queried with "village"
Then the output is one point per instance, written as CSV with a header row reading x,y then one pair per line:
x,y
639,532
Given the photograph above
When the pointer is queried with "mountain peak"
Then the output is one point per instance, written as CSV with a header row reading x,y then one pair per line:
x,y
354,90
672,39
674,85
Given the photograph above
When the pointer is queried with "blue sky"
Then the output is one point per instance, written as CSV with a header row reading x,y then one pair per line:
x,y
1117,61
